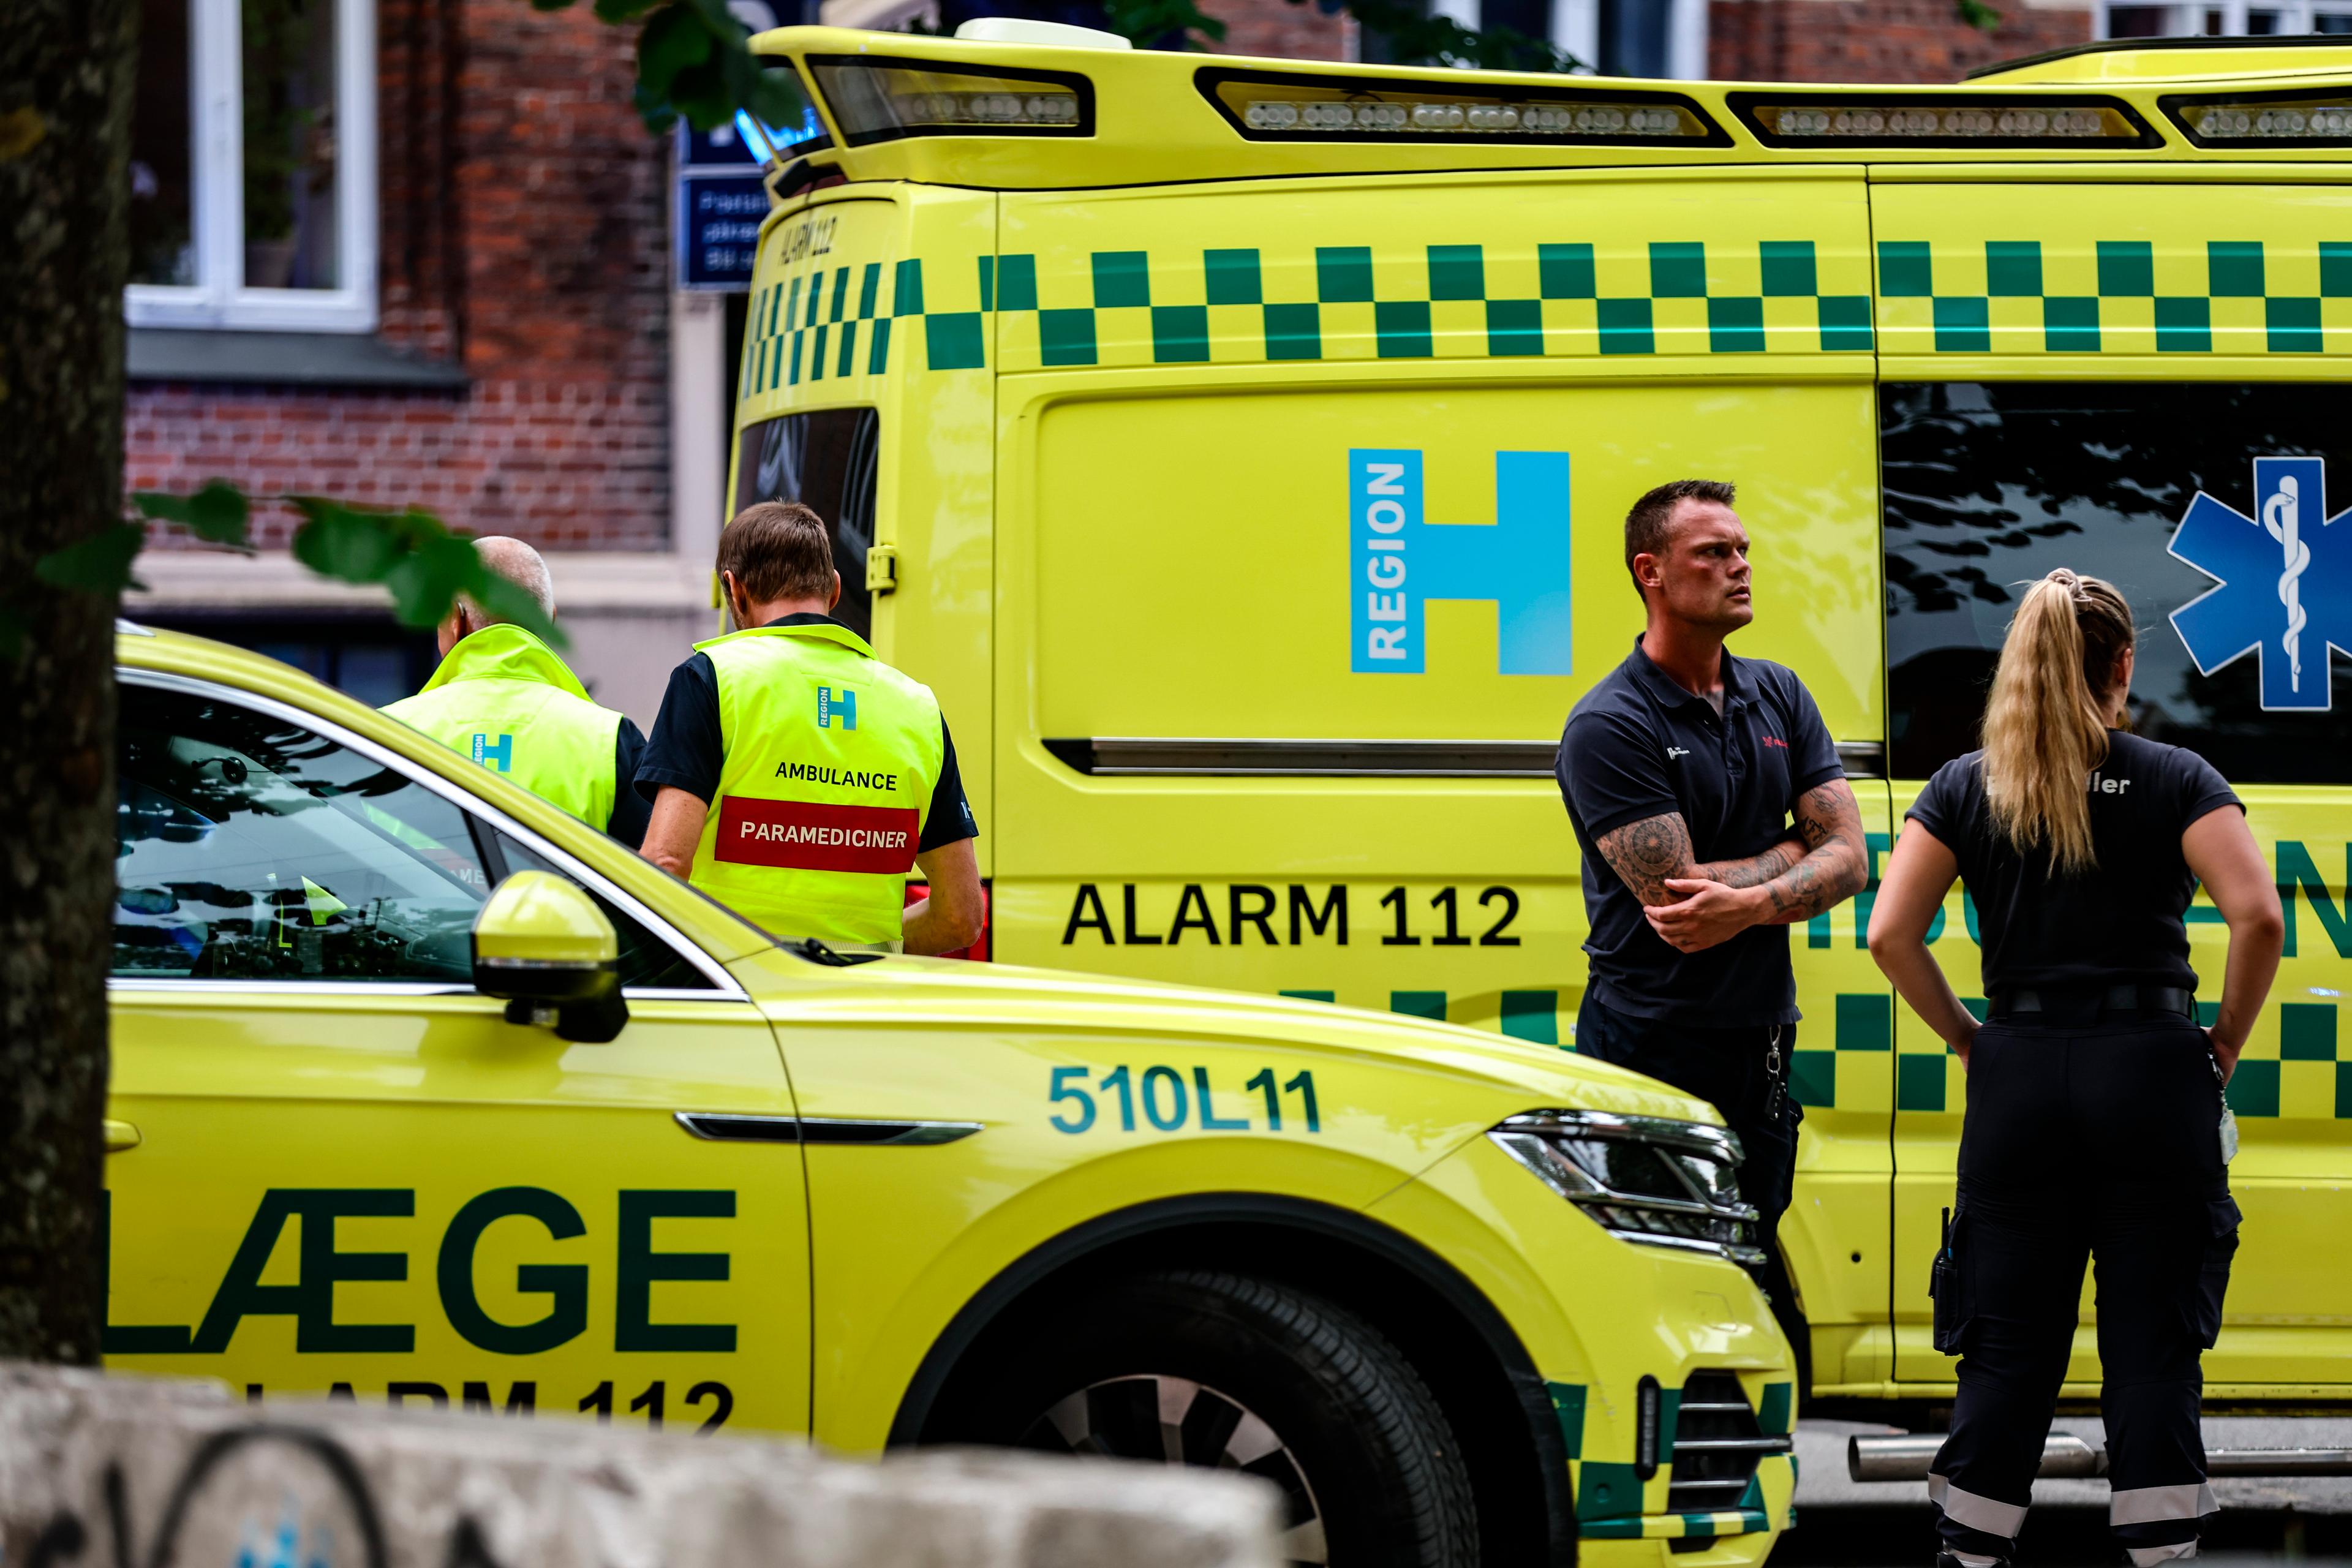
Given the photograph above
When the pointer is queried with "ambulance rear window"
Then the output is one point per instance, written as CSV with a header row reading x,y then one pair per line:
x,y
827,461
1990,486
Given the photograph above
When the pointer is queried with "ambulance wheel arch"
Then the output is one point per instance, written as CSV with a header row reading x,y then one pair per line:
x,y
1409,1302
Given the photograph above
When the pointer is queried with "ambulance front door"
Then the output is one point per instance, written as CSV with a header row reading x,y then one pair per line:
x,y
338,1169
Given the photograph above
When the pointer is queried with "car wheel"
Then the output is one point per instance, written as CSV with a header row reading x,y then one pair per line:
x,y
1225,1372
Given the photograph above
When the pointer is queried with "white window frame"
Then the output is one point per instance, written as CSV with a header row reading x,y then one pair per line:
x,y
2188,21
216,194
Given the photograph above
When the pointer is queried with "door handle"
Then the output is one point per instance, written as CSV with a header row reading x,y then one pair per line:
x,y
122,1137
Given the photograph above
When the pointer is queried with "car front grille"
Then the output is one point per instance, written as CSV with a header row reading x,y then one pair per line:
x,y
1717,1444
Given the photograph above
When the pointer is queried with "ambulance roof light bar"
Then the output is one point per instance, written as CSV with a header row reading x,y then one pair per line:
x,y
876,97
1867,118
1280,106
2294,118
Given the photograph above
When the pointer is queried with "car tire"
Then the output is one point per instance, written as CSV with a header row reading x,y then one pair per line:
x,y
1224,1370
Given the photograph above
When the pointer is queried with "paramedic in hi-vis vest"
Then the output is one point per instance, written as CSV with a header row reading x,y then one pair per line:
x,y
2095,1125
794,776
503,699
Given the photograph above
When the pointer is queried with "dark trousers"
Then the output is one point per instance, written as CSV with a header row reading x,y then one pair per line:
x,y
2096,1142
1728,1069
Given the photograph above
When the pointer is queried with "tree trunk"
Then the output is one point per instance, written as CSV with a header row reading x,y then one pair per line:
x,y
62,263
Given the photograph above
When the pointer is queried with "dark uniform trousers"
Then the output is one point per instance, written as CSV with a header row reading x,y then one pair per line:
x,y
1733,1070
2090,1140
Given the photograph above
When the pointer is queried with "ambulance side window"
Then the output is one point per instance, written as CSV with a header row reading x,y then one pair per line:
x,y
1990,486
828,461
247,848
647,963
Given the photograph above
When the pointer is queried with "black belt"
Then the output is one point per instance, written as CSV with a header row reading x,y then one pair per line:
x,y
2114,999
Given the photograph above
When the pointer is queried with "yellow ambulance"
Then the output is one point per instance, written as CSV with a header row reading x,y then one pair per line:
x,y
1239,447
426,1093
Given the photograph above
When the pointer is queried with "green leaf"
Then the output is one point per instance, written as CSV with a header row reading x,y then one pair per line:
x,y
723,23
551,5
15,626
702,95
426,581
97,564
775,96
509,601
618,11
217,514
1979,15
674,39
347,545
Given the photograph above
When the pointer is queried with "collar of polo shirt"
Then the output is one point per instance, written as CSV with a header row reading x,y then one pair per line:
x,y
1738,687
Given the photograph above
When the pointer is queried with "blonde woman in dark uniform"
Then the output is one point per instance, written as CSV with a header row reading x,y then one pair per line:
x,y
2095,1119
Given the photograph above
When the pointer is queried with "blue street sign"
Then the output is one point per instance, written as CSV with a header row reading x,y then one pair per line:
x,y
720,150
718,218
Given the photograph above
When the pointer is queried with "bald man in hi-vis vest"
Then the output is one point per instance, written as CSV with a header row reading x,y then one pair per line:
x,y
794,776
504,699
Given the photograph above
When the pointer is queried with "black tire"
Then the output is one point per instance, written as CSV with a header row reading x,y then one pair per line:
x,y
1206,1368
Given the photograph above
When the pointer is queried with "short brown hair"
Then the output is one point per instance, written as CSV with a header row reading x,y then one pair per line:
x,y
779,550
1645,525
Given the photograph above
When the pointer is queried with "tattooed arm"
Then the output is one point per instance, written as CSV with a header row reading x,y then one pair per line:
x,y
1837,861
1702,910
1647,853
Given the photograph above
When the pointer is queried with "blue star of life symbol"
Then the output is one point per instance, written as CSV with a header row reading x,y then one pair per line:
x,y
2285,588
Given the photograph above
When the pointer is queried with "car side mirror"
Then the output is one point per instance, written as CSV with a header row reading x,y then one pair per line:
x,y
545,949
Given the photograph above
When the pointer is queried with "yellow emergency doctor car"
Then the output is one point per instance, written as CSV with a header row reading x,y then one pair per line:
x,y
1270,427
425,1092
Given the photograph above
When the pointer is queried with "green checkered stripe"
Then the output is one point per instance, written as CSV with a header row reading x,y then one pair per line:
x,y
1610,1493
1445,301
2114,296
2308,1078
1448,300
841,323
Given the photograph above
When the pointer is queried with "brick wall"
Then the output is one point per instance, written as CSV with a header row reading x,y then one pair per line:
x,y
1876,41
524,235
1277,30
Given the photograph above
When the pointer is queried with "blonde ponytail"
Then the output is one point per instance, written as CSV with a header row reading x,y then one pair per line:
x,y
2045,725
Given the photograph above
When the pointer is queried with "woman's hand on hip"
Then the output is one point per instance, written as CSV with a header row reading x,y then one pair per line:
x,y
2224,1054
1961,1043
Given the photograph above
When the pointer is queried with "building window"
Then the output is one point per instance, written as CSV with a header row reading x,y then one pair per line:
x,y
253,165
2236,19
1611,37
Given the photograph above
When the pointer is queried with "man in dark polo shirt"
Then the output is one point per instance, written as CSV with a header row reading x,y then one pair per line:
x,y
1709,801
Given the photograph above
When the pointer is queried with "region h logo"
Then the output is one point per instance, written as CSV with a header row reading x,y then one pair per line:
x,y
1397,562
499,757
832,705
2286,583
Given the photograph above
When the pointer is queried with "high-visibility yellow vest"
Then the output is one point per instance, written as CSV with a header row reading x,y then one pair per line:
x,y
502,698
830,758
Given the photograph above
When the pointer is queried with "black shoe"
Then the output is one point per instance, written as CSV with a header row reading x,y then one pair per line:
x,y
1951,1560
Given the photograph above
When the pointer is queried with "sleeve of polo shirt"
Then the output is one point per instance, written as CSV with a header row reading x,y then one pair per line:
x,y
1812,755
2200,789
949,820
632,813
1612,773
686,750
1942,807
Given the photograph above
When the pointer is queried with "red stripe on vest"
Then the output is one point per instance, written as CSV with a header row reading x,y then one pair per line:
x,y
803,835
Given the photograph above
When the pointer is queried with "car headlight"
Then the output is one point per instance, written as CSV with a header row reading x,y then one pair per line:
x,y
1649,1179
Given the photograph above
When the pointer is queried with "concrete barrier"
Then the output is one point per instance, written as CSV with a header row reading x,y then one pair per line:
x,y
120,1472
